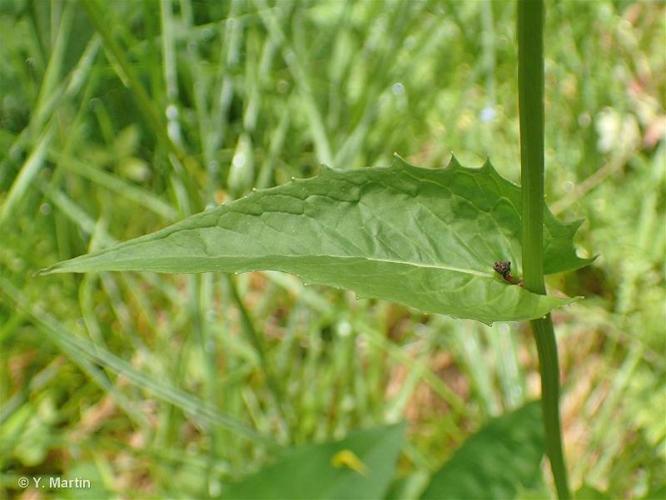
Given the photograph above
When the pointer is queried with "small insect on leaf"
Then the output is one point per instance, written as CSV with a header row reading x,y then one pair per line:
x,y
348,459
503,268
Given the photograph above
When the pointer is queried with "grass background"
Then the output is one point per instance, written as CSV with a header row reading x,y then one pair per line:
x,y
119,118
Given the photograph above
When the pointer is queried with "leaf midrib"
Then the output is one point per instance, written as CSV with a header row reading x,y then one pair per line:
x,y
438,267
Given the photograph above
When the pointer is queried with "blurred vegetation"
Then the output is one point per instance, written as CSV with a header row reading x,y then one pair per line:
x,y
117,118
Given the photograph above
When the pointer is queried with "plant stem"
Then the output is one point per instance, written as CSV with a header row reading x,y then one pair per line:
x,y
530,92
544,336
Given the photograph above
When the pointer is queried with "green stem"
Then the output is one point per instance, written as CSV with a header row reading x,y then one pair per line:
x,y
544,335
530,92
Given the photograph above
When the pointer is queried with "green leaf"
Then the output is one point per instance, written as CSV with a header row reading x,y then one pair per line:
x,y
587,492
424,238
502,457
360,466
656,493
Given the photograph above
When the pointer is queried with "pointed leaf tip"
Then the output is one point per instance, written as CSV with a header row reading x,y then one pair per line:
x,y
488,166
452,164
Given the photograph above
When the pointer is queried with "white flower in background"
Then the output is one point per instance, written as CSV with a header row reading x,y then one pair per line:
x,y
617,132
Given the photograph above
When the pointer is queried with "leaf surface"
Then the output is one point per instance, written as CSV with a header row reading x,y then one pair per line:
x,y
496,462
425,238
316,471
